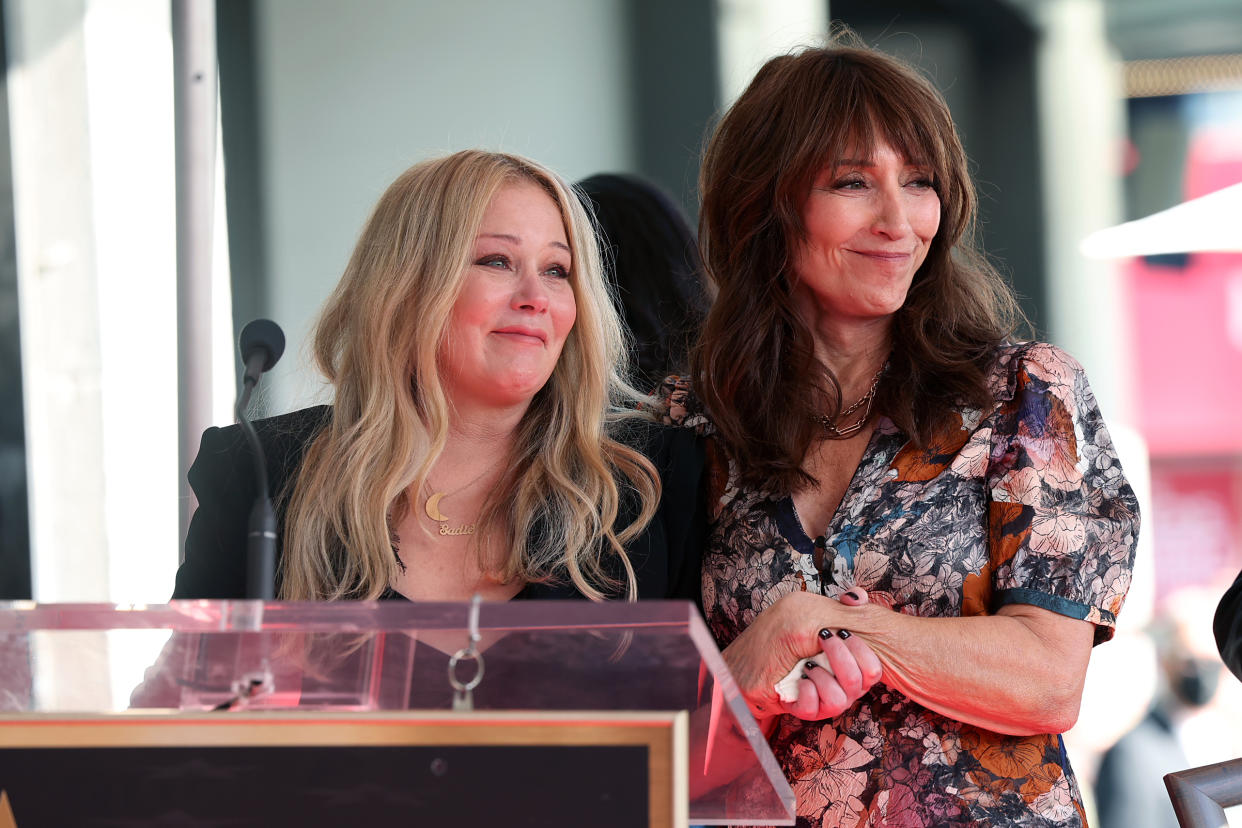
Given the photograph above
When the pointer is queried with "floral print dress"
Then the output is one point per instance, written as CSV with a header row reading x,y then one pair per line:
x,y
1025,503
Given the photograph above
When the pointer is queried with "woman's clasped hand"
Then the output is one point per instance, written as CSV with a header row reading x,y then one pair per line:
x,y
757,658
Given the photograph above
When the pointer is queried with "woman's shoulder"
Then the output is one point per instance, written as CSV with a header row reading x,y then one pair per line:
x,y
674,450
284,437
1016,364
678,406
1043,355
304,422
295,425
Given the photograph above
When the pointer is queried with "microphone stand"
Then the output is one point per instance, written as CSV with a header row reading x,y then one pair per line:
x,y
261,530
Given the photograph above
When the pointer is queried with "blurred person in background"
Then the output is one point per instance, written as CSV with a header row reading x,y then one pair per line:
x,y
652,259
482,438
894,482
1129,784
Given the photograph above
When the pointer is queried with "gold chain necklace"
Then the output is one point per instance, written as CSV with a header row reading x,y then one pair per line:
x,y
432,507
838,433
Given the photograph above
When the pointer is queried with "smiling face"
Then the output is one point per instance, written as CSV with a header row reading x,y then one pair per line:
x,y
870,219
516,306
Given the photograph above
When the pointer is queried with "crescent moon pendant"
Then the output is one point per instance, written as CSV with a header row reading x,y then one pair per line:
x,y
432,508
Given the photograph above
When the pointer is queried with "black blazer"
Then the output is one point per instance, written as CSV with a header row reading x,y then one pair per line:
x,y
666,557
1228,627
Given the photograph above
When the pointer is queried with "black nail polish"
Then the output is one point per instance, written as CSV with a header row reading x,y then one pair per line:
x,y
843,634
810,665
805,676
825,633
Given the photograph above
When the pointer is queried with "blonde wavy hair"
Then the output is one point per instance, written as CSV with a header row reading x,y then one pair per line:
x,y
377,339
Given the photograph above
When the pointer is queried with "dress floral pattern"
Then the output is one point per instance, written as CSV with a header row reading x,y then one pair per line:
x,y
1025,503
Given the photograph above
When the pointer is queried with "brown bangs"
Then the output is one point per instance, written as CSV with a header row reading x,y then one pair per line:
x,y
849,103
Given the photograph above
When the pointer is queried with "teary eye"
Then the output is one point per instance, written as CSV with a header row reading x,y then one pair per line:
x,y
495,260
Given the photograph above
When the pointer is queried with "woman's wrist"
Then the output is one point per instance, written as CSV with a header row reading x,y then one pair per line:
x,y
871,623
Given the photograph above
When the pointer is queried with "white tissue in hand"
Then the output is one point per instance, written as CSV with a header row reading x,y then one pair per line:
x,y
787,688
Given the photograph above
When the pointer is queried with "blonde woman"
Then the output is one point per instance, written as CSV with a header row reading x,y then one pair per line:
x,y
479,440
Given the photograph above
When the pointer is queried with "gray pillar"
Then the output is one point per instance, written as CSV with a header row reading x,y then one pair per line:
x,y
1081,118
194,80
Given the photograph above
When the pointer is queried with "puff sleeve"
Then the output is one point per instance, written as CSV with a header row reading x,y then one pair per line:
x,y
1062,520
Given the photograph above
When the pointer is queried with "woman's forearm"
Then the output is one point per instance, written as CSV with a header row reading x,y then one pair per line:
x,y
1018,672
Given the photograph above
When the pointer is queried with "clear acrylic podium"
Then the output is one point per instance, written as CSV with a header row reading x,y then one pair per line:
x,y
535,712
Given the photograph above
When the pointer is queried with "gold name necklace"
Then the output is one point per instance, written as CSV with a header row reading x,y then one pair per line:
x,y
432,507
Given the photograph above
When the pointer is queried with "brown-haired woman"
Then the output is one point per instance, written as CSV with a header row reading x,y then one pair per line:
x,y
895,483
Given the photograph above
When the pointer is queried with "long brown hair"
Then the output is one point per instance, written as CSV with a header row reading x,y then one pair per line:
x,y
754,366
377,342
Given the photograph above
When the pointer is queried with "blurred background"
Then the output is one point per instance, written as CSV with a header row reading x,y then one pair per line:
x,y
1079,116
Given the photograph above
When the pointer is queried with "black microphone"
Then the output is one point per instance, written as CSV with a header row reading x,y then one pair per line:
x,y
262,342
